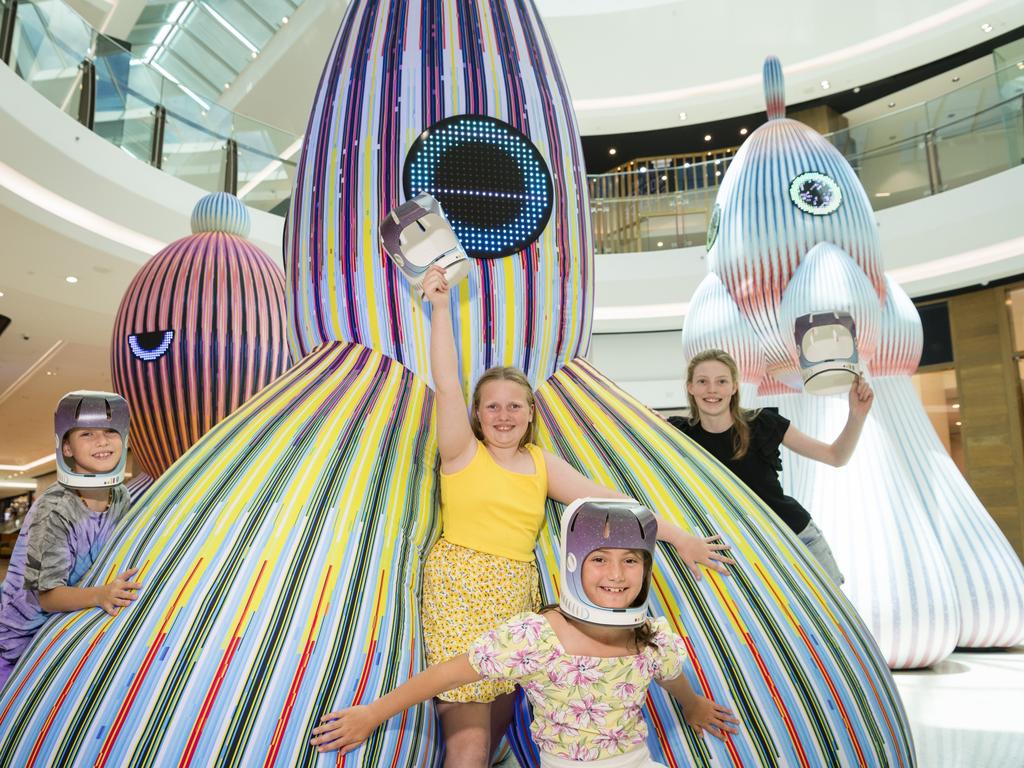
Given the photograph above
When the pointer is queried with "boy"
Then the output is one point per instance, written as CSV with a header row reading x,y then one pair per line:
x,y
68,525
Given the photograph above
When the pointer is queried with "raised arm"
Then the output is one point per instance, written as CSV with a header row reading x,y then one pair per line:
x,y
700,713
839,451
455,440
566,485
348,728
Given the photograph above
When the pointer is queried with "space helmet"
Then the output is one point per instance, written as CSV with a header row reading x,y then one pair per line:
x,y
416,235
90,410
590,524
827,343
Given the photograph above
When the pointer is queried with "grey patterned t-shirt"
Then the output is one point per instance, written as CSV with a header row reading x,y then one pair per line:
x,y
59,540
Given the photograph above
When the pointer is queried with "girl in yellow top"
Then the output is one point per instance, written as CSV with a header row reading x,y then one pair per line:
x,y
494,483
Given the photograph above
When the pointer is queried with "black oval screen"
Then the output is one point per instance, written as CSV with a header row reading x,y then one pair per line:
x,y
491,181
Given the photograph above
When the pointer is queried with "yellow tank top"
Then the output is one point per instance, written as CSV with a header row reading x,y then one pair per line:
x,y
491,509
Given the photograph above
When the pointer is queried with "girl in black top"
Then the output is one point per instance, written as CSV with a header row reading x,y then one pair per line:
x,y
747,442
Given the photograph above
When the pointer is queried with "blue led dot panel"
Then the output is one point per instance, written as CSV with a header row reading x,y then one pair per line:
x,y
490,179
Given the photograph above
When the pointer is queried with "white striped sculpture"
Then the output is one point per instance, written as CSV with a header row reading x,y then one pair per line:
x,y
792,234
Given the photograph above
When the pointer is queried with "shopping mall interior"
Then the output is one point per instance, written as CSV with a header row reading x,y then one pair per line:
x,y
654,142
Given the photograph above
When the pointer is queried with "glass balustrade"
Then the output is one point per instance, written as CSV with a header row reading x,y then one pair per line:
x,y
969,133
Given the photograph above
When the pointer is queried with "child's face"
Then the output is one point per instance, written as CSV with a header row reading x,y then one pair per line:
x,y
504,413
94,451
612,578
712,387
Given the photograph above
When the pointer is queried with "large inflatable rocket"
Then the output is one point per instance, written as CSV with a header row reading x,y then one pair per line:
x,y
200,329
282,554
793,236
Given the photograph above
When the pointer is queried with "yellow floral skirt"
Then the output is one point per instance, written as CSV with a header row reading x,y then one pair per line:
x,y
465,594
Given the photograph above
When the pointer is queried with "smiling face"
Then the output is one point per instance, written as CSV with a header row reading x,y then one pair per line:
x,y
711,388
504,413
94,451
613,578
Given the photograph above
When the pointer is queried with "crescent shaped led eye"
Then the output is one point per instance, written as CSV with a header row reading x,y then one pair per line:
x,y
815,193
716,219
490,179
150,346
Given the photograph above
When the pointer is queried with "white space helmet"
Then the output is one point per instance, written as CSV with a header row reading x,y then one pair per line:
x,y
416,235
90,410
827,342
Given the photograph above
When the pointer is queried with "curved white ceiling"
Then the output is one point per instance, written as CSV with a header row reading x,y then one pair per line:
x,y
634,66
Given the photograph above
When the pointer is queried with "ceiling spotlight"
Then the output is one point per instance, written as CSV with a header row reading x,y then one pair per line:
x,y
660,243
707,137
1020,65
71,279
956,78
957,423
226,86
254,54
612,150
743,131
284,19
856,89
956,405
882,194
986,27
892,104
825,85
1,294
682,115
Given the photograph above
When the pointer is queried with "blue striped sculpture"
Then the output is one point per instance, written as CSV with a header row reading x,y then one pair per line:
x,y
793,234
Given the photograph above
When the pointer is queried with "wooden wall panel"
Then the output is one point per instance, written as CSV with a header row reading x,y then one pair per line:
x,y
990,407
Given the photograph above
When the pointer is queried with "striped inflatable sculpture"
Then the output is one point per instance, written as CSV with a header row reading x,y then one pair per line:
x,y
200,330
793,234
282,554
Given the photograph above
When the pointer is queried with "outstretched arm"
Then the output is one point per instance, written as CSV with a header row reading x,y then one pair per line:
x,y
111,597
348,728
566,485
455,440
837,453
700,713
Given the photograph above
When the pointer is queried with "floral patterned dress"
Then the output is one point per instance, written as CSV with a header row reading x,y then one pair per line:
x,y
584,707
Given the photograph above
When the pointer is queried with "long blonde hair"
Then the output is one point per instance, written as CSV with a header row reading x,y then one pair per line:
x,y
741,417
503,373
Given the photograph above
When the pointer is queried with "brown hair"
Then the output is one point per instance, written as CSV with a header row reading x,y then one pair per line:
x,y
741,417
503,373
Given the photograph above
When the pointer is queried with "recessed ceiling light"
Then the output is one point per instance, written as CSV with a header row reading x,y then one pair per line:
x,y
986,27
71,279
956,78
825,85
49,373
743,131
856,89
957,423
284,19
1,294
682,115
1020,65
226,86
956,405
253,54
882,194
892,104
707,137
612,150
660,243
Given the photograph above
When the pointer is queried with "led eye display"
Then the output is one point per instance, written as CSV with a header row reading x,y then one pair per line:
x,y
491,181
815,193
716,219
150,346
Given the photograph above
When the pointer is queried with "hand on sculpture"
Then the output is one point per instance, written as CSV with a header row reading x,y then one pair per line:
x,y
705,715
344,730
116,594
707,552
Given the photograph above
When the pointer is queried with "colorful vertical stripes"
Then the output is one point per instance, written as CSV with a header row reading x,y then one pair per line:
x,y
200,330
396,69
774,641
281,558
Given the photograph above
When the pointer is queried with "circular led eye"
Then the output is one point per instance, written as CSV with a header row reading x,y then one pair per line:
x,y
490,179
815,193
716,219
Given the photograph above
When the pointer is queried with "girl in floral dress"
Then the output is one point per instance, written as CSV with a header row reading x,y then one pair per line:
x,y
585,665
